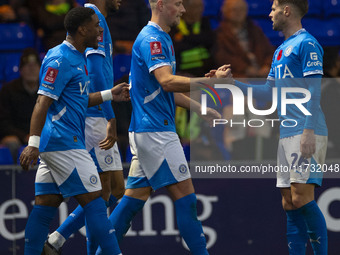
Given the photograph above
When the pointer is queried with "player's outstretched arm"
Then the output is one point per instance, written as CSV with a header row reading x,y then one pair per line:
x,y
190,104
118,93
222,72
30,154
177,83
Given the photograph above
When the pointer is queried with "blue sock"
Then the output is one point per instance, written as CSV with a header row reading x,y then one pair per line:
x,y
122,216
297,236
189,226
100,228
316,227
112,201
91,243
37,228
73,223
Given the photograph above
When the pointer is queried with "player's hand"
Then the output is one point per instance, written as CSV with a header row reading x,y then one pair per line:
x,y
211,115
222,72
29,157
307,143
120,92
111,135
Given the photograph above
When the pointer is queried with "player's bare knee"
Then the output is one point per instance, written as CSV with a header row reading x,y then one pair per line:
x,y
52,200
106,194
298,201
139,193
86,198
287,203
118,192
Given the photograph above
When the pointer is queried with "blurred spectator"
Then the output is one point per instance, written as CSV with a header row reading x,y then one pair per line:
x,y
17,100
14,11
193,40
125,25
48,18
330,103
241,43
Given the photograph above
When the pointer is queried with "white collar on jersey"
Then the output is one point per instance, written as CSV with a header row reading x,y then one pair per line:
x,y
155,25
69,45
92,5
300,31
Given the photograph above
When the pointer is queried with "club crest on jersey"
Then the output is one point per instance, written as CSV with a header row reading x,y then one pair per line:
x,y
279,56
288,51
51,75
108,159
156,48
93,179
183,169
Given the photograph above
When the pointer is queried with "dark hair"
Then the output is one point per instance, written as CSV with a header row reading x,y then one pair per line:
x,y
29,55
302,5
77,17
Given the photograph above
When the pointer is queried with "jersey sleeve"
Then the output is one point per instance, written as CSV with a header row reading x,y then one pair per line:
x,y
155,53
54,76
271,75
311,56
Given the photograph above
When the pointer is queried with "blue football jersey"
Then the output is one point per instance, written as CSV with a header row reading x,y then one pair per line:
x,y
153,108
295,59
64,78
105,49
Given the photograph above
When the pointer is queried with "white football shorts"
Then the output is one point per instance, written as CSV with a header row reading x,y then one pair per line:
x,y
157,160
294,168
68,173
105,160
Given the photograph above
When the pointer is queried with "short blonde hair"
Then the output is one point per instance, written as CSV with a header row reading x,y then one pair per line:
x,y
154,2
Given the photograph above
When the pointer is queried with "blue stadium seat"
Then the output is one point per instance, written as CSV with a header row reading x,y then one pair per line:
x,y
121,65
212,8
5,156
315,9
329,35
9,66
16,36
331,8
81,2
259,8
276,38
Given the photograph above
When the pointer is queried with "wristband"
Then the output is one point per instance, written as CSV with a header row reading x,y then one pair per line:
x,y
34,141
106,95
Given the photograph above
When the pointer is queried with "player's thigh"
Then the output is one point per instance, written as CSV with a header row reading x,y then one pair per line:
x,y
302,193
105,179
287,203
117,183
